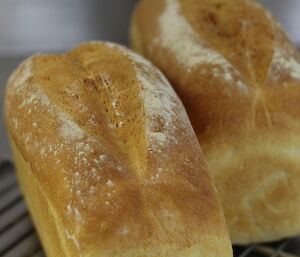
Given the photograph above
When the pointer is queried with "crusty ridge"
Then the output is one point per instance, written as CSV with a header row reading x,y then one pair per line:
x,y
120,185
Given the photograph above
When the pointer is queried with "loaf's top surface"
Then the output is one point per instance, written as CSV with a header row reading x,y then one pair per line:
x,y
235,48
111,148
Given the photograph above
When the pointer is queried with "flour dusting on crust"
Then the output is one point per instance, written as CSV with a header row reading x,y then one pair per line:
x,y
18,78
69,130
85,155
71,157
162,105
190,50
284,61
75,241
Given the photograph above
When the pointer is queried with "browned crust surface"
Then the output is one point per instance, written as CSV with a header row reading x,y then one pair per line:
x,y
110,150
238,76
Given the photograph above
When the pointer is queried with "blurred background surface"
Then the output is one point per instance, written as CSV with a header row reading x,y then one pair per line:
x,y
30,26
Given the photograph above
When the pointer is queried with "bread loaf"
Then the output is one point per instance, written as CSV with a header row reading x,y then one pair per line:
x,y
238,76
107,158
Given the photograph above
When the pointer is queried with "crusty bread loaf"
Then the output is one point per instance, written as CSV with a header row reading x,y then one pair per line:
x,y
238,76
107,158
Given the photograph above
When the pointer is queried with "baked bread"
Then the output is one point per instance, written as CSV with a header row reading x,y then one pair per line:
x,y
107,158
238,76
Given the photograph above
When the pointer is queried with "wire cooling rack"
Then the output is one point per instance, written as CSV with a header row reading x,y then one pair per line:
x,y
18,237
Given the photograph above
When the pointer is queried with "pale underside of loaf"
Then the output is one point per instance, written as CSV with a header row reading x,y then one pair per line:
x,y
238,76
107,158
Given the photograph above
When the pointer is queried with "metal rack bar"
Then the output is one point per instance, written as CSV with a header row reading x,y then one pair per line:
x,y
247,251
12,214
25,247
267,251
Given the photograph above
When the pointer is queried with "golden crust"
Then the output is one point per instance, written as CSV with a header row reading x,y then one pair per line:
x,y
107,158
238,76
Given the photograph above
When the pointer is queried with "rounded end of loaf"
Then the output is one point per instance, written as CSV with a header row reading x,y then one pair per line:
x,y
261,174
97,132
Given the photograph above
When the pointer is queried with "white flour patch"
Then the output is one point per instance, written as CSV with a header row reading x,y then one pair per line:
x,y
74,239
160,100
15,123
109,183
35,97
18,78
77,215
190,50
286,62
69,130
124,231
69,209
160,138
106,80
